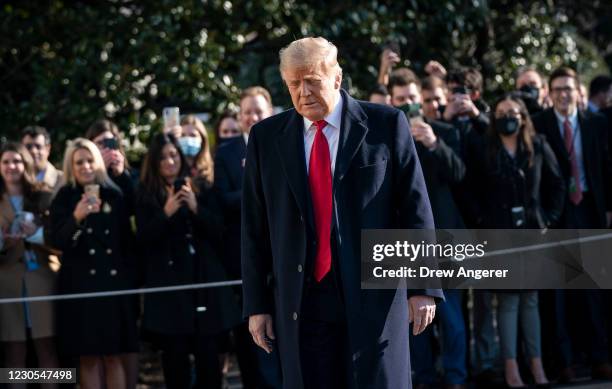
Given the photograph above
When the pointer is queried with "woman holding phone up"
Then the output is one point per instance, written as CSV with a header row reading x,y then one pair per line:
x,y
89,223
178,225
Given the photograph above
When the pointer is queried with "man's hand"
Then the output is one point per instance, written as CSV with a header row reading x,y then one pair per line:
x,y
388,59
422,132
421,312
435,68
260,327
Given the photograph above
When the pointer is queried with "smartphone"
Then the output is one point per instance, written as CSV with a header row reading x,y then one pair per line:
x,y
392,45
171,117
411,110
460,90
110,143
93,192
178,184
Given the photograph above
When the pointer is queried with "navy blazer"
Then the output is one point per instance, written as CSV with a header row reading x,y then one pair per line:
x,y
229,169
378,183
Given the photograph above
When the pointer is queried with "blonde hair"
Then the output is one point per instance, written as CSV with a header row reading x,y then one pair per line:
x,y
203,161
102,177
308,53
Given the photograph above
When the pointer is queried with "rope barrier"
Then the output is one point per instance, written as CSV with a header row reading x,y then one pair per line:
x,y
123,292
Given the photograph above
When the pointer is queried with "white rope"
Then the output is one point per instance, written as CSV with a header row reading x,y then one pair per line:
x,y
121,292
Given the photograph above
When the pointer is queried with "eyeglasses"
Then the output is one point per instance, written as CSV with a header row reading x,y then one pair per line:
x,y
560,89
31,146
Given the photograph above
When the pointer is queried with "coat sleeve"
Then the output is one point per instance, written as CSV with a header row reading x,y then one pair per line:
x,y
554,185
151,221
230,197
256,248
412,201
208,219
451,167
63,231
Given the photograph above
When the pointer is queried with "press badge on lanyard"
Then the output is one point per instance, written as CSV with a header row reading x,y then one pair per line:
x,y
30,260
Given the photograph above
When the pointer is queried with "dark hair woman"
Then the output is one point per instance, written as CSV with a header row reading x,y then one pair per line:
x,y
517,184
106,135
179,223
25,267
89,223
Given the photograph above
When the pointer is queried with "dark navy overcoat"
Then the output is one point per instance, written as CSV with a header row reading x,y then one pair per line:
x,y
378,183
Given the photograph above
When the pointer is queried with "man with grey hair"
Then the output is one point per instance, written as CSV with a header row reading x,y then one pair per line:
x,y
315,176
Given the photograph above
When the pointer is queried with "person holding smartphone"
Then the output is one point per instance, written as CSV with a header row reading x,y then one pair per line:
x,y
180,224
24,262
516,182
105,134
89,222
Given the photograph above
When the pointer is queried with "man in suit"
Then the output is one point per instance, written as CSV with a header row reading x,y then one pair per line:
x,y
579,141
258,369
437,145
315,176
38,142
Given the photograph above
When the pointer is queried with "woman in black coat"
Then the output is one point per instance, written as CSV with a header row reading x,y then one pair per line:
x,y
177,225
516,183
93,232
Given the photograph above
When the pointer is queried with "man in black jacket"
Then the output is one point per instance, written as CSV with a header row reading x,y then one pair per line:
x,y
437,145
579,141
257,368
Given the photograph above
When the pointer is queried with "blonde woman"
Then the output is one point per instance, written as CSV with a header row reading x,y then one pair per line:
x,y
195,146
89,222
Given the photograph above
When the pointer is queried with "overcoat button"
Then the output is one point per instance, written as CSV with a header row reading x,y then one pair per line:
x,y
92,252
295,316
89,230
92,272
299,268
113,272
170,262
109,251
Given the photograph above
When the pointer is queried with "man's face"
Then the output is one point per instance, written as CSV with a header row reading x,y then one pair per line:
x,y
253,109
407,94
432,100
39,149
564,94
313,91
534,80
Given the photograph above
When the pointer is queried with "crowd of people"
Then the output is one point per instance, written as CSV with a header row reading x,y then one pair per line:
x,y
537,157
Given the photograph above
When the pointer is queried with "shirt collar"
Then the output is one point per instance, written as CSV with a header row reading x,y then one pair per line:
x,y
333,119
245,136
573,118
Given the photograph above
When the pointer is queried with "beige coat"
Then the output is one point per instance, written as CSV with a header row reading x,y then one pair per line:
x,y
13,276
53,178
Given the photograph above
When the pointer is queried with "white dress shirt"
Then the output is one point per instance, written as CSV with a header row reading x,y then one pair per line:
x,y
331,132
576,135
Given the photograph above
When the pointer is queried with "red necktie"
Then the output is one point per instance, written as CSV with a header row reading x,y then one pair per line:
x,y
320,182
575,189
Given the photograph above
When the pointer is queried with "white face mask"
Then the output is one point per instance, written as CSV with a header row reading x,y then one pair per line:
x,y
190,146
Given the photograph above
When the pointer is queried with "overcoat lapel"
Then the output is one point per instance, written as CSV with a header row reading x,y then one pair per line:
x,y
290,146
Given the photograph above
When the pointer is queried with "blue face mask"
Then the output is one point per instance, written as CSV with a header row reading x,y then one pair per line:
x,y
190,146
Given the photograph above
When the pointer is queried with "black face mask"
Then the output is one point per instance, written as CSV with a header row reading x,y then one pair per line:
x,y
506,125
530,92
